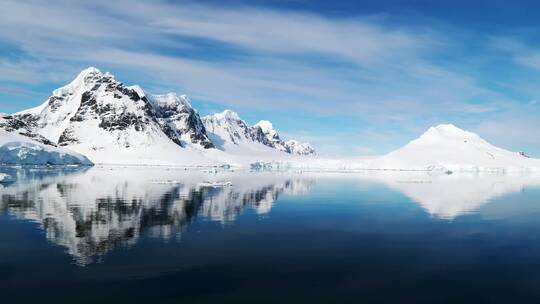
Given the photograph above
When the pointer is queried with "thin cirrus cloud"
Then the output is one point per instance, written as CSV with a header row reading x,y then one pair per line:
x,y
376,75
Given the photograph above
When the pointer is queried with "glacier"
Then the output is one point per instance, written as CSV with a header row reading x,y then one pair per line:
x,y
19,146
18,150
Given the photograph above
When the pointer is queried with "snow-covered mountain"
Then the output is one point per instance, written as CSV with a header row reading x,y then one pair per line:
x,y
109,122
270,135
228,131
295,147
19,145
112,123
448,148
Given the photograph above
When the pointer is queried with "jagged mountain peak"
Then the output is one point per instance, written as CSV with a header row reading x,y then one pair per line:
x,y
172,98
227,115
296,147
137,89
95,113
266,126
88,74
84,80
101,117
228,127
271,135
171,102
89,70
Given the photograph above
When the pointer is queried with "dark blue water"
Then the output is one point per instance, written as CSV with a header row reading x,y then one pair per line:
x,y
154,236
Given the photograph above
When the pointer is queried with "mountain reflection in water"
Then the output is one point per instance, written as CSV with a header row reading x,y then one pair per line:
x,y
91,212
449,196
171,235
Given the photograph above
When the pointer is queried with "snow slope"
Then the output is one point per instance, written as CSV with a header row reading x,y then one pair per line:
x,y
16,149
12,124
448,148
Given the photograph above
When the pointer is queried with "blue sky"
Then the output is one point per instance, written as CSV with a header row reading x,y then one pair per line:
x,y
351,77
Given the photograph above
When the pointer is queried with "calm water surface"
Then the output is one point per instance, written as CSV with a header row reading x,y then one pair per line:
x,y
143,235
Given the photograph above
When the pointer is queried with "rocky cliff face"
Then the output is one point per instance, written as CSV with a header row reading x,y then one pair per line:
x,y
229,127
95,102
13,124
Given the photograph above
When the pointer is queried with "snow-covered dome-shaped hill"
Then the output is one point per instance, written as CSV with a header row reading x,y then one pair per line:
x,y
449,148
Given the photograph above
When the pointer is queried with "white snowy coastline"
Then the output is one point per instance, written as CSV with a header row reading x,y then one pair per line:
x,y
405,159
67,198
96,119
16,149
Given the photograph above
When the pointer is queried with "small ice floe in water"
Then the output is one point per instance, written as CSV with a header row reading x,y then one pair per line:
x,y
215,184
6,178
166,181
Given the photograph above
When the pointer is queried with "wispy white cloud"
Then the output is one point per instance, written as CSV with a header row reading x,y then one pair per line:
x,y
377,62
251,58
517,132
518,51
479,108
